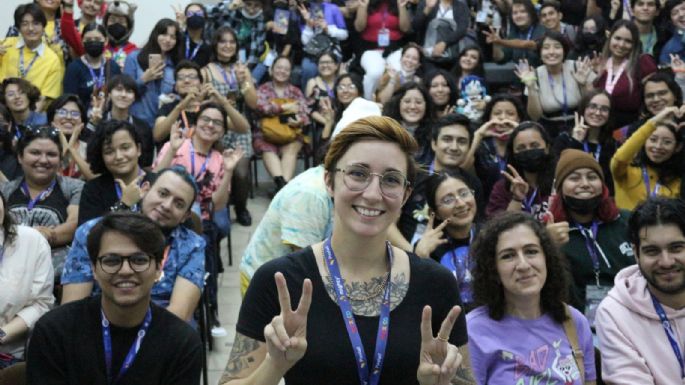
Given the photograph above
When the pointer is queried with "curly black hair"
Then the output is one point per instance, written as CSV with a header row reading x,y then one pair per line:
x,y
103,136
487,285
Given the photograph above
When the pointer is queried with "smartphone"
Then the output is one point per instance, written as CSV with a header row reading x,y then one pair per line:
x,y
154,60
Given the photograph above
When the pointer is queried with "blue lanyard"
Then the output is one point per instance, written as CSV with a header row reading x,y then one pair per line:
x,y
431,168
32,202
528,202
25,71
627,8
98,81
564,105
501,163
329,91
645,178
346,309
598,150
590,236
133,351
192,162
231,81
529,34
459,262
669,333
2,252
190,56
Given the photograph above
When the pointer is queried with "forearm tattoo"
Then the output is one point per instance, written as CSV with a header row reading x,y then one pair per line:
x,y
240,358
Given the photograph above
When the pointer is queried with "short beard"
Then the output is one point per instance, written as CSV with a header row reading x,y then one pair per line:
x,y
665,290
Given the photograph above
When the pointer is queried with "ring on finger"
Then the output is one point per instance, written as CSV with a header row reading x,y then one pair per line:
x,y
441,338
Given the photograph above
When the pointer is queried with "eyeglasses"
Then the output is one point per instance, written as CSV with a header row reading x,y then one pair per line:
x,y
112,263
597,107
357,178
450,199
326,62
196,13
186,77
33,131
346,87
207,120
658,94
66,114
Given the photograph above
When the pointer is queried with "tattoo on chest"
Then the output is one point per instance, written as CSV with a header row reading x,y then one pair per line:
x,y
369,291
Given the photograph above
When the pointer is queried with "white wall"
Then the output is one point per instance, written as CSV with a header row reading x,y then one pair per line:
x,y
147,15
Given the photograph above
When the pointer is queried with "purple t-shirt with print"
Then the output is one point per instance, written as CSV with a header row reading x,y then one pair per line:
x,y
518,351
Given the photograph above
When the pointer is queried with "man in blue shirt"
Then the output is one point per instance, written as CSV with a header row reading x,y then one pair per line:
x,y
167,201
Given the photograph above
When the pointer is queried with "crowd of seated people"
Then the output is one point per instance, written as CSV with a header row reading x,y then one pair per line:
x,y
482,170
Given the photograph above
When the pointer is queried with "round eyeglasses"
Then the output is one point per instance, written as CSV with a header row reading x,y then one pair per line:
x,y
450,200
358,178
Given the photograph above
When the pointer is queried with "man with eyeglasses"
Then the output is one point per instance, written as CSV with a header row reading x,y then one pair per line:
x,y
167,201
190,92
119,337
28,56
450,142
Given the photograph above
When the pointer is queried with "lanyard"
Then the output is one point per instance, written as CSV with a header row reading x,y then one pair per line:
x,y
25,71
501,162
431,168
98,81
598,150
385,16
564,105
346,309
611,79
190,56
133,351
528,202
2,252
590,236
529,34
203,168
669,333
231,81
645,178
457,262
627,8
43,194
329,91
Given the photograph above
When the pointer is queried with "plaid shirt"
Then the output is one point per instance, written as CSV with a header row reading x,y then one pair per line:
x,y
220,15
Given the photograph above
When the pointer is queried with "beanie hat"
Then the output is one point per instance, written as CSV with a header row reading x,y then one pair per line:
x,y
571,160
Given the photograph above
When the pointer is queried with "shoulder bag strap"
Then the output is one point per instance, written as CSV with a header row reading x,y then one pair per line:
x,y
572,335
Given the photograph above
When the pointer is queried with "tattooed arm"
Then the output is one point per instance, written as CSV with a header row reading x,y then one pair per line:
x,y
249,364
464,374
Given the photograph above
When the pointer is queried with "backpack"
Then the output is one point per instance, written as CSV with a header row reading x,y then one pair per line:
x,y
439,29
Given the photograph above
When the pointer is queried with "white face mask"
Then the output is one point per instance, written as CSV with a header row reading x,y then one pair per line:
x,y
251,17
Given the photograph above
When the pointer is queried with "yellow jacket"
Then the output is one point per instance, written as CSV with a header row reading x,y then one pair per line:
x,y
628,181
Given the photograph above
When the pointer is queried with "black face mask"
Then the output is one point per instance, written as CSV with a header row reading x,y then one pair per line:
x,y
117,31
531,160
582,206
196,22
94,48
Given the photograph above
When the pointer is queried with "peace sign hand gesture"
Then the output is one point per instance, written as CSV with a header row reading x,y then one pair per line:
x,y
519,187
439,360
286,335
130,193
431,238
580,129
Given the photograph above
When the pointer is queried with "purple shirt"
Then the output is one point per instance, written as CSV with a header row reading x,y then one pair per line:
x,y
518,351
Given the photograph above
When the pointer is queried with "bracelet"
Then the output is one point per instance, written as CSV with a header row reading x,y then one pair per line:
x,y
529,78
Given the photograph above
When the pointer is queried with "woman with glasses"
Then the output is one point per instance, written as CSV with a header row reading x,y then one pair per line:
x,y
360,289
650,162
594,242
114,153
452,226
232,79
522,329
67,115
42,198
87,76
26,278
281,98
659,91
20,97
592,132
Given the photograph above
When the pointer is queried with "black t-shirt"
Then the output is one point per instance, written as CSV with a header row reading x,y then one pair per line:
x,y
166,109
67,348
203,54
329,358
98,196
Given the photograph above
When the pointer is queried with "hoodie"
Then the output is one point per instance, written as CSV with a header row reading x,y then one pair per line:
x,y
633,344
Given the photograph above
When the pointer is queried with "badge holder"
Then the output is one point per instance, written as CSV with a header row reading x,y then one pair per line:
x,y
594,294
383,37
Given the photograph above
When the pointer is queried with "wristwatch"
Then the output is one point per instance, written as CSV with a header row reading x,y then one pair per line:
x,y
120,206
